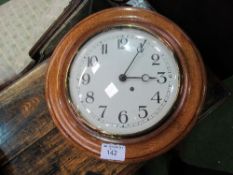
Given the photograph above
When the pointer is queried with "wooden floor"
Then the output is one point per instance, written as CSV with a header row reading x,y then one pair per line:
x,y
30,144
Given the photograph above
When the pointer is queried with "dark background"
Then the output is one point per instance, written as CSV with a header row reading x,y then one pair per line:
x,y
209,23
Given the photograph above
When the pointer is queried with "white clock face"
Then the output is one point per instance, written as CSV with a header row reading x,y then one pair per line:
x,y
124,81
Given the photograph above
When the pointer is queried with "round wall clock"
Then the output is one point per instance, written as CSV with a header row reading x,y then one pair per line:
x,y
125,82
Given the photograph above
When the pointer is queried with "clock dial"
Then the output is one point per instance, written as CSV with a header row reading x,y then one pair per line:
x,y
125,76
124,81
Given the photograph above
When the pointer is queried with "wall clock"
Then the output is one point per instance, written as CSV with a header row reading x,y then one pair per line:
x,y
125,84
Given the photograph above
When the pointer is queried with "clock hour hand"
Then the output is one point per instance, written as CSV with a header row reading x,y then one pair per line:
x,y
144,77
140,49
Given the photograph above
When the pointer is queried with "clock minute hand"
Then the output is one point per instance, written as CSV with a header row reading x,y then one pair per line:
x,y
140,49
131,63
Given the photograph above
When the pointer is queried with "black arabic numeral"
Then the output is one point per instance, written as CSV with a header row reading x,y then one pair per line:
x,y
143,112
162,79
140,48
122,42
104,49
104,110
156,97
155,58
123,117
86,79
91,61
90,97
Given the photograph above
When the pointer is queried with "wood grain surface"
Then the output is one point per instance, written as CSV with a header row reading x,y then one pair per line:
x,y
30,142
182,116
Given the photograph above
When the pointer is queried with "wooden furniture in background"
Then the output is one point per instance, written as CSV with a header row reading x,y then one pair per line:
x,y
21,24
29,140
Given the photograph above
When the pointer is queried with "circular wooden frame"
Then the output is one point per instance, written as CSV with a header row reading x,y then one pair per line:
x,y
188,105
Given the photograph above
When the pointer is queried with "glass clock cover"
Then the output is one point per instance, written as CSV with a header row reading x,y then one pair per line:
x,y
124,81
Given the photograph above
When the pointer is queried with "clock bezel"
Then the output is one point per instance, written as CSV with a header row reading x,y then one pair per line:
x,y
129,138
190,99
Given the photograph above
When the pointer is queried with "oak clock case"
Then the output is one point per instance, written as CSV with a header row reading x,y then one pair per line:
x,y
125,76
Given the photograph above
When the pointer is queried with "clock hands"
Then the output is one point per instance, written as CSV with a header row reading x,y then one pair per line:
x,y
140,49
144,77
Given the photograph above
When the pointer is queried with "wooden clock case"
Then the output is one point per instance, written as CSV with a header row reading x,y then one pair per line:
x,y
183,115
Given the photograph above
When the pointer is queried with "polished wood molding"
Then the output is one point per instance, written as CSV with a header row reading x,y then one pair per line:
x,y
183,115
